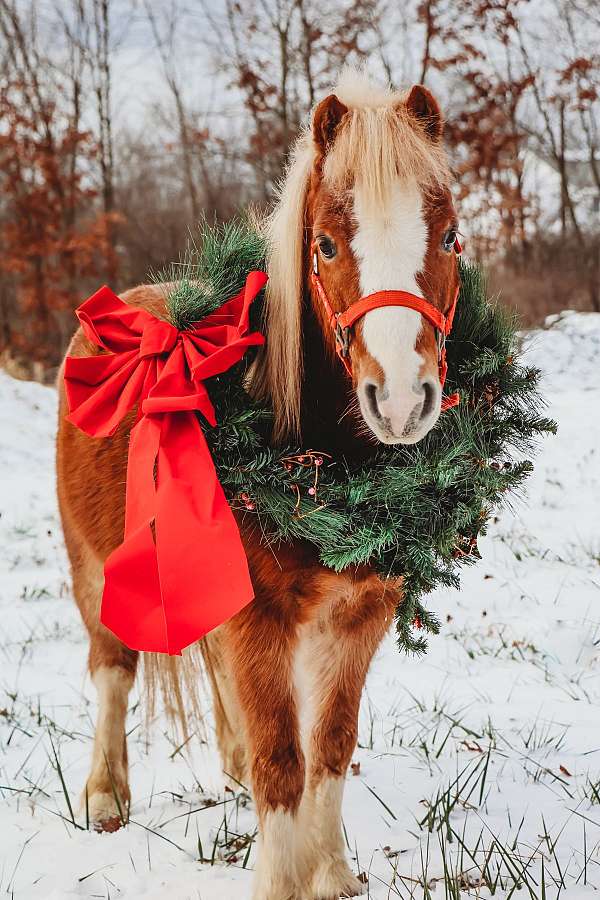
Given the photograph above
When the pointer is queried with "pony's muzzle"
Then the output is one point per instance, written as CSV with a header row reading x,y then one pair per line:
x,y
402,418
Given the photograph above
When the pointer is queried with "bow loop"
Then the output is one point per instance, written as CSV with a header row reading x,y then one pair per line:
x,y
181,569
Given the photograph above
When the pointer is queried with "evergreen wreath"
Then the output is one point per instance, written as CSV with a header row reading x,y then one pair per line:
x,y
412,511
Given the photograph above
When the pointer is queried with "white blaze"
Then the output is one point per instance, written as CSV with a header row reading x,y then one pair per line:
x,y
390,245
276,874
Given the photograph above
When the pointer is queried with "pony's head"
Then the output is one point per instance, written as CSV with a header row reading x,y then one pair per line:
x,y
367,192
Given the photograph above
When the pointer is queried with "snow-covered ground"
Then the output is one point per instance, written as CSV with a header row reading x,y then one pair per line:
x,y
478,766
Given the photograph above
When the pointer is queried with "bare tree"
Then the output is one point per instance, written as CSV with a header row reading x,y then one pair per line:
x,y
53,235
279,54
165,44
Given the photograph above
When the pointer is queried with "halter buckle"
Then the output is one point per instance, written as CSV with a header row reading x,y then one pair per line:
x,y
342,337
315,262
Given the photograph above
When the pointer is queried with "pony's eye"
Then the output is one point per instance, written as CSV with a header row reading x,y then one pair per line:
x,y
327,247
449,240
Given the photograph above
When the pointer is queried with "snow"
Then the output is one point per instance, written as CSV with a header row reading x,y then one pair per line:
x,y
499,721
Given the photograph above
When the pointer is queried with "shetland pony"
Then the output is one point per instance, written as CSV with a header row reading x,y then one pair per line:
x,y
367,190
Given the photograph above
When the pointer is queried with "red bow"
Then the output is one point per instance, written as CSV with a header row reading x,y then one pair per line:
x,y
181,569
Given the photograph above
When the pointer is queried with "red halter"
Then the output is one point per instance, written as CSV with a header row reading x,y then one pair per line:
x,y
343,322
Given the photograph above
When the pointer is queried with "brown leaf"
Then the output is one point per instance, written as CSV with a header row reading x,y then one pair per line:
x,y
474,746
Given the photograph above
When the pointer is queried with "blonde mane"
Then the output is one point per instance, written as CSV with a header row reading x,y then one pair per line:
x,y
377,142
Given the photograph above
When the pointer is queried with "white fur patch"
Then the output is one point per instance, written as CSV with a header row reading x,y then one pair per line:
x,y
306,683
321,857
276,875
109,770
390,246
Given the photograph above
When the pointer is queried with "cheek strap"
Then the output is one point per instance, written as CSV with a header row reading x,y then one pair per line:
x,y
343,323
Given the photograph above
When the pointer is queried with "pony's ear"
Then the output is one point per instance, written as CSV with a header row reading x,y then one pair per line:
x,y
326,118
424,107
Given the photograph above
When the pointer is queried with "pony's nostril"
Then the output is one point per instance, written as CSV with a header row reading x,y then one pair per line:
x,y
371,397
428,399
371,391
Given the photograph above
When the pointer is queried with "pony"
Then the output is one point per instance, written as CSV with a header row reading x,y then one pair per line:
x,y
365,202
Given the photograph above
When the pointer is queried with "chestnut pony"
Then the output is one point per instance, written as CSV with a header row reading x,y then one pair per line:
x,y
367,191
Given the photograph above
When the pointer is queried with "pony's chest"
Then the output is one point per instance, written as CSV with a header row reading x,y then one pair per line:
x,y
290,580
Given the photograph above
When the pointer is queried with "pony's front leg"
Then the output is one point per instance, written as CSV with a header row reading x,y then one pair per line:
x,y
333,659
260,641
112,667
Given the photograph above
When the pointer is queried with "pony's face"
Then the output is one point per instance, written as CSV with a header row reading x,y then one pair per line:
x,y
391,234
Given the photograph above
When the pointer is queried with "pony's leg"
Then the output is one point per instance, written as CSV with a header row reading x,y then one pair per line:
x,y
107,788
331,667
259,642
229,723
112,667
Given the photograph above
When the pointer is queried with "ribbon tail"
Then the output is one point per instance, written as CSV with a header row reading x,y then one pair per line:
x,y
202,564
181,569
132,606
131,603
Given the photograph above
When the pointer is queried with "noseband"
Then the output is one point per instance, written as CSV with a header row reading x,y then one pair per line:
x,y
342,322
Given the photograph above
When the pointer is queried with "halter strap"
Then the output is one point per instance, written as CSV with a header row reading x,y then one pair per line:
x,y
342,323
392,298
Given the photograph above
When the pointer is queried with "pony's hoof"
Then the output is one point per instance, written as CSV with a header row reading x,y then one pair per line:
x,y
334,879
103,813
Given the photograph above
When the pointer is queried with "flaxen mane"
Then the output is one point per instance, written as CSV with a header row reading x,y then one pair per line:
x,y
376,143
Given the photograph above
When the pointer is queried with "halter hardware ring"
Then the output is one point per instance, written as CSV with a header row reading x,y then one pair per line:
x,y
342,337
441,342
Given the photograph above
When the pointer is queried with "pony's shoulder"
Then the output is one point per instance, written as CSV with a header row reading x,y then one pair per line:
x,y
151,297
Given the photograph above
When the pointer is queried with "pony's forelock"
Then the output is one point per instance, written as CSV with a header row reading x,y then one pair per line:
x,y
376,143
379,142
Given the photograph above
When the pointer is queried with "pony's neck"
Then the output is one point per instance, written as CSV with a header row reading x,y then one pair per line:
x,y
328,420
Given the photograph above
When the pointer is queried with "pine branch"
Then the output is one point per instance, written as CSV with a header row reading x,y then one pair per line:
x,y
212,269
